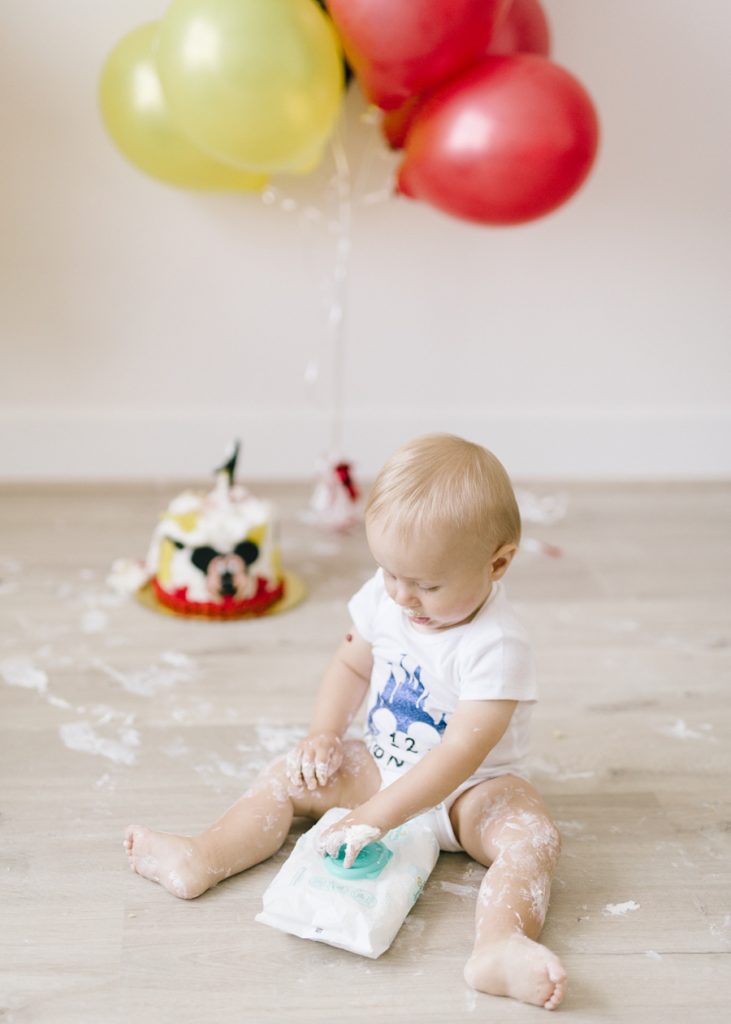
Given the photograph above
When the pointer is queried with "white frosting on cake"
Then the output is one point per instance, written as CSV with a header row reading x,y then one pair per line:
x,y
221,519
224,518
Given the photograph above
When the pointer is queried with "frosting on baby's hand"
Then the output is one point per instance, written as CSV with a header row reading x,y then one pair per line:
x,y
353,837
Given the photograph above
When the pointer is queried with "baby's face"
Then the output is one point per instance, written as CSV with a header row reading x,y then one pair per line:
x,y
436,580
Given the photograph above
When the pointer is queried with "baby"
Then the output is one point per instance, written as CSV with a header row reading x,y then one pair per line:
x,y
447,672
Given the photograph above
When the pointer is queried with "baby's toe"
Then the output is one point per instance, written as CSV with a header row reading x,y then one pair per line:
x,y
557,975
133,843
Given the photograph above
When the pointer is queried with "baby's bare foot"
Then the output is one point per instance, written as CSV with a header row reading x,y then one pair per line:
x,y
519,968
176,862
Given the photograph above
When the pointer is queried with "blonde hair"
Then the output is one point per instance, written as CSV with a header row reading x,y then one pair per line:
x,y
443,481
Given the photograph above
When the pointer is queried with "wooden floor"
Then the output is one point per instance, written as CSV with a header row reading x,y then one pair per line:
x,y
110,713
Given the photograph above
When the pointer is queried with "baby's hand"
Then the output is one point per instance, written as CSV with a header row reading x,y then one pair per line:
x,y
351,832
315,760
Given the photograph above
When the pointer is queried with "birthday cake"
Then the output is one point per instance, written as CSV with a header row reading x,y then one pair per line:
x,y
217,554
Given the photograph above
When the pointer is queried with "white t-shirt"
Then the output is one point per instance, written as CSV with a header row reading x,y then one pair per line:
x,y
419,678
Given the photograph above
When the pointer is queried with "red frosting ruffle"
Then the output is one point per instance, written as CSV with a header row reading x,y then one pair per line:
x,y
226,608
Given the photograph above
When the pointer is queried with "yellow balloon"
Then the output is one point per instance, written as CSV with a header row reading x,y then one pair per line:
x,y
137,116
255,83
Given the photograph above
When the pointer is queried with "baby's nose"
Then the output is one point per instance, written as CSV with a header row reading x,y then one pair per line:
x,y
406,597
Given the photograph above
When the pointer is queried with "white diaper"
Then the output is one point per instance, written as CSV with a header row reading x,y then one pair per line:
x,y
437,819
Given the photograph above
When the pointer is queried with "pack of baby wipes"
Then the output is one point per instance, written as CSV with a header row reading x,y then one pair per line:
x,y
359,908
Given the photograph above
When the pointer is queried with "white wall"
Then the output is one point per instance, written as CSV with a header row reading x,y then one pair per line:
x,y
142,327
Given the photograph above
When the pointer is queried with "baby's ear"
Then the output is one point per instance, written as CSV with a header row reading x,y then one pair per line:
x,y
502,559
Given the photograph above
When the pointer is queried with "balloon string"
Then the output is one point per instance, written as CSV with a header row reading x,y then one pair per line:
x,y
373,154
337,319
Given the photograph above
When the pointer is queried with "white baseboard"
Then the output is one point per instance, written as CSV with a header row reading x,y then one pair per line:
x,y
43,445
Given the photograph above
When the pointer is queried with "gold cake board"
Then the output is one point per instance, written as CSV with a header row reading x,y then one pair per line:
x,y
294,593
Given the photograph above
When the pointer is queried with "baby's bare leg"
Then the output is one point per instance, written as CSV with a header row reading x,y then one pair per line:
x,y
503,823
251,830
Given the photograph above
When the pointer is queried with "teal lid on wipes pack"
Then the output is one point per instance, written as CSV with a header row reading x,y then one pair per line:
x,y
369,863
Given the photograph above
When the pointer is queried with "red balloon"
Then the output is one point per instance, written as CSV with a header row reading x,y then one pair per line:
x,y
507,141
524,30
401,47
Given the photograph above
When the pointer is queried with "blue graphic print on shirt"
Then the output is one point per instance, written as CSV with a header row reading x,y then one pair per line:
x,y
400,727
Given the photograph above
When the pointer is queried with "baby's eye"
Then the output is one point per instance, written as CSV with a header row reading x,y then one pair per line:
x,y
429,590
